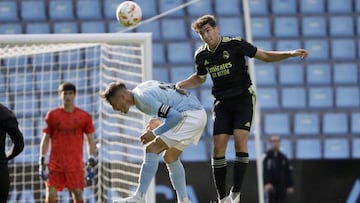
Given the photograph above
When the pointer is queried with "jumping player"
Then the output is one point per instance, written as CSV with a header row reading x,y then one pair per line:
x,y
184,120
8,126
66,126
224,59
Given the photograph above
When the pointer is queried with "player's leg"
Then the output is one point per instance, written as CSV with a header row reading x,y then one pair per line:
x,y
223,127
77,195
56,181
5,183
242,122
148,169
51,193
75,183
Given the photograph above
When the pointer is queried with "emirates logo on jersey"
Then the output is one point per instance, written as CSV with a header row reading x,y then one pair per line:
x,y
226,55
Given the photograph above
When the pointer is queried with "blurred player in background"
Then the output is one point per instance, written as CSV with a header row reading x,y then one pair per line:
x,y
184,120
277,173
66,126
224,59
9,125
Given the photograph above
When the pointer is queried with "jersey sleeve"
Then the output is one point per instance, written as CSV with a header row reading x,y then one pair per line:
x,y
246,49
48,127
89,126
199,65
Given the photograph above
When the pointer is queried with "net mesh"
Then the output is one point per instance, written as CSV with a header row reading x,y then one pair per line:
x,y
29,78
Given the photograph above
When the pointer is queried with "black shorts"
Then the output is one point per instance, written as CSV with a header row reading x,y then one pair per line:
x,y
234,113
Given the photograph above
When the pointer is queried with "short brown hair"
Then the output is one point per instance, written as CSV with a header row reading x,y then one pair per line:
x,y
203,20
111,89
67,86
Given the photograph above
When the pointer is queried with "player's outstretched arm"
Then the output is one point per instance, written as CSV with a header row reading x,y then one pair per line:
x,y
191,82
273,56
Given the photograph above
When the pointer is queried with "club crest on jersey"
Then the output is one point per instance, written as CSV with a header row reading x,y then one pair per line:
x,y
226,55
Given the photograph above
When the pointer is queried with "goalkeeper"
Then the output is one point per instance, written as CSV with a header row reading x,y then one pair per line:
x,y
183,118
66,126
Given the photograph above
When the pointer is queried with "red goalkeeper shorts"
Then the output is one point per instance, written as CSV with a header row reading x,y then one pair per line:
x,y
70,180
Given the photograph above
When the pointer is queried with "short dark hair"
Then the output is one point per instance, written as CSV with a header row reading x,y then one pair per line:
x,y
203,20
67,86
111,89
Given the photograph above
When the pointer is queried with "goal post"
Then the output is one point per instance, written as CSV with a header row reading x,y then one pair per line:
x,y
32,68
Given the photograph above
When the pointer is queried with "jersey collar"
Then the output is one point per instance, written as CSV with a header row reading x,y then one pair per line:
x,y
212,51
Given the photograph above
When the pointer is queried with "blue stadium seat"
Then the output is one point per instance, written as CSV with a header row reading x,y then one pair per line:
x,y
78,77
180,52
92,27
70,58
265,74
4,98
338,24
65,27
8,11
355,123
178,73
61,10
312,6
30,155
314,26
276,123
343,49
173,29
165,5
284,45
306,124
260,27
318,74
345,73
283,7
158,53
10,28
293,97
161,73
37,28
267,98
291,74
227,8
43,61
92,57
358,24
20,81
27,128
196,152
151,8
92,11
320,97
286,27
335,124
26,105
344,6
259,7
83,101
206,98
110,7
153,27
115,26
356,148
47,80
308,149
263,45
318,49
201,8
347,97
357,6
33,10
3,83
231,26
336,148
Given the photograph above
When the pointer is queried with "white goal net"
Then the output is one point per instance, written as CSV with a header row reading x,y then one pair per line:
x,y
33,66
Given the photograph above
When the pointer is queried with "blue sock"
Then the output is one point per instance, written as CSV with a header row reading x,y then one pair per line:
x,y
148,171
177,177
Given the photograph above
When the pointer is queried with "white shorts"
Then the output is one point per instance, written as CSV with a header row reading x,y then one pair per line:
x,y
187,131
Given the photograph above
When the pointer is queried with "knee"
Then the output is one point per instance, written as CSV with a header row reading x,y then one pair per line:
x,y
169,158
77,195
219,149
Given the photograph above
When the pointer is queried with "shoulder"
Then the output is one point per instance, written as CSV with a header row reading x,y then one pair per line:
x,y
6,113
231,39
201,49
81,112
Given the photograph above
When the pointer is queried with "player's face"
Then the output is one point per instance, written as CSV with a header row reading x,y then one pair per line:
x,y
275,142
119,103
67,97
210,35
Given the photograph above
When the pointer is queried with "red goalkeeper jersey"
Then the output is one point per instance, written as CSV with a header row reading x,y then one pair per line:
x,y
66,130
